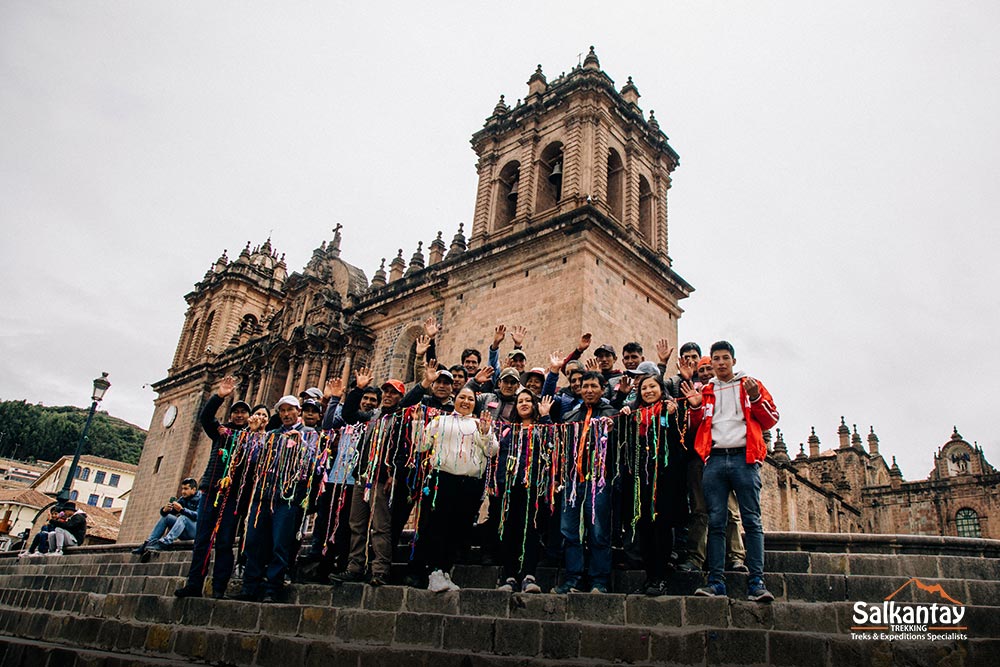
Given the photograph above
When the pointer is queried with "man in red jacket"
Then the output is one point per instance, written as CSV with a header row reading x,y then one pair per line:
x,y
731,413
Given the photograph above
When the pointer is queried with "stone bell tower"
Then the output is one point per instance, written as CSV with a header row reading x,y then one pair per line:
x,y
572,142
569,232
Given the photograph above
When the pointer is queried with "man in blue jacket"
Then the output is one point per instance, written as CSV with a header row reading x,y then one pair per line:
x,y
178,519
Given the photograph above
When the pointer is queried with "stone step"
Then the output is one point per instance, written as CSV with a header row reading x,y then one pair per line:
x,y
163,579
246,633
15,652
907,565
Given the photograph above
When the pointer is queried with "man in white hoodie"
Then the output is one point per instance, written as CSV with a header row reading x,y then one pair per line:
x,y
731,413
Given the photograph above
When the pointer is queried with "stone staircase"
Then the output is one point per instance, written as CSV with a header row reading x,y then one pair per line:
x,y
104,607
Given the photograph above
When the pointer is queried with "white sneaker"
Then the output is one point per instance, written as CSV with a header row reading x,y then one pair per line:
x,y
437,583
57,552
452,586
24,554
36,554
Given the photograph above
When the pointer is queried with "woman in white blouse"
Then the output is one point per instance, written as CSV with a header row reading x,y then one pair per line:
x,y
458,446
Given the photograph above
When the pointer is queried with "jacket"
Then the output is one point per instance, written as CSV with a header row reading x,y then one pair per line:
x,y
759,415
216,458
459,448
189,507
76,525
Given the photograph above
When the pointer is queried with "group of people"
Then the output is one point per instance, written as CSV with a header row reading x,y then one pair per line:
x,y
66,527
497,454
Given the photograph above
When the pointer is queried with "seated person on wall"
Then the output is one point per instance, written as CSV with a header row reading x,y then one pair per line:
x,y
70,529
40,543
178,519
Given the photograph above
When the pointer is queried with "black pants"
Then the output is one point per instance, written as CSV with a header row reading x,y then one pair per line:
x,y
519,534
656,536
335,502
225,515
447,516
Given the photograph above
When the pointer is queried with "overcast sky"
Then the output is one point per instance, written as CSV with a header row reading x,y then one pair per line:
x,y
835,206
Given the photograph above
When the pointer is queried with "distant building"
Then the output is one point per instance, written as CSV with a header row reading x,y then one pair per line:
x,y
18,509
20,474
99,482
853,489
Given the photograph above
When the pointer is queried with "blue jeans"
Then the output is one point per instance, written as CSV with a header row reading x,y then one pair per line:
x,y
597,526
724,472
172,527
208,516
270,542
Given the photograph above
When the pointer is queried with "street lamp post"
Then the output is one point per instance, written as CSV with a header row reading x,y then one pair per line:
x,y
101,385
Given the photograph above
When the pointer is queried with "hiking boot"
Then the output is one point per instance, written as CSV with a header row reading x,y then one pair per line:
x,y
348,576
188,592
716,590
738,566
757,592
378,580
564,588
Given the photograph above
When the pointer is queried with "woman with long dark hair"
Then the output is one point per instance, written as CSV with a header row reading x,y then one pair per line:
x,y
654,451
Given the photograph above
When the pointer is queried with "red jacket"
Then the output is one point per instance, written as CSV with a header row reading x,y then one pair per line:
x,y
759,415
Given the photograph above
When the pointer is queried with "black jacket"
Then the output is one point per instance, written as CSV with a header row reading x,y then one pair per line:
x,y
189,507
216,460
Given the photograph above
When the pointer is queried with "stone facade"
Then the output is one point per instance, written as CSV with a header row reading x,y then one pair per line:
x,y
569,235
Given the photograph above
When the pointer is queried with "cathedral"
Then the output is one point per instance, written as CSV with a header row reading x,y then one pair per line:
x,y
572,191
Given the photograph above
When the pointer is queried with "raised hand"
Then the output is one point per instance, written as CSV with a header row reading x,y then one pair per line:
x,y
498,335
257,422
363,377
686,367
430,373
664,350
484,374
423,344
555,361
334,387
485,422
624,384
692,395
752,388
517,335
585,341
431,327
227,385
592,365
545,406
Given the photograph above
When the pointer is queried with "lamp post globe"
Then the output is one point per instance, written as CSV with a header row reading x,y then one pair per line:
x,y
101,386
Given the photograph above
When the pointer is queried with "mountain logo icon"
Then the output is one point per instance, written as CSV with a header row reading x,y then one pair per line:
x,y
929,588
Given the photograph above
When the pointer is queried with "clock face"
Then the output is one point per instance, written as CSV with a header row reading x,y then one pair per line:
x,y
169,416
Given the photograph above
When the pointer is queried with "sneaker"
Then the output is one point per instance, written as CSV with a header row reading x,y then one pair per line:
x,y
348,576
57,552
452,586
599,588
529,585
688,566
155,546
378,580
36,554
508,586
24,554
758,593
188,592
716,590
738,566
564,588
437,583
139,550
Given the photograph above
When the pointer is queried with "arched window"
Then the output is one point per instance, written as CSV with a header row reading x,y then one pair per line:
x,y
645,210
85,475
550,171
192,338
508,185
616,184
205,332
967,523
249,324
73,495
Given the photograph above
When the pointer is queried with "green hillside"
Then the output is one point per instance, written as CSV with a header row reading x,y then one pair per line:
x,y
29,431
